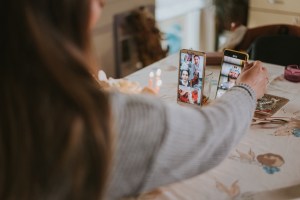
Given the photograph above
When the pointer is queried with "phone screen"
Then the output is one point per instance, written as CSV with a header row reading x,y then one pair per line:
x,y
190,76
232,65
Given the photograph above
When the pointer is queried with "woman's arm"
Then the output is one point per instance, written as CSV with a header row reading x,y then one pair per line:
x,y
159,144
198,140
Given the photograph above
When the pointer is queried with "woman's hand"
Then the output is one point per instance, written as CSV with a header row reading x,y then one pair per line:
x,y
256,76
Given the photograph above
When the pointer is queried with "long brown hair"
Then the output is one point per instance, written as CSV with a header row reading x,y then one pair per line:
x,y
55,137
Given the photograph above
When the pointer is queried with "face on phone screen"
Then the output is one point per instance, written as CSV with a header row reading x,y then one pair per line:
x,y
231,68
190,77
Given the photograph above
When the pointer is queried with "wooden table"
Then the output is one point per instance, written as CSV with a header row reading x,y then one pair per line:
x,y
264,165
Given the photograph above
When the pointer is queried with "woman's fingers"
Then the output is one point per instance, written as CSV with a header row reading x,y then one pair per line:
x,y
247,66
256,76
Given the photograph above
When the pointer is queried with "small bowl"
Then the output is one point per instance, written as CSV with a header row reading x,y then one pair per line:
x,y
292,73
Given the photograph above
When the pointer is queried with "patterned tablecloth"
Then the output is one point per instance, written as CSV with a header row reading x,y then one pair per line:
x,y
264,165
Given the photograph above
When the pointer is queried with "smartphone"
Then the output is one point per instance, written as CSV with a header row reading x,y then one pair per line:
x,y
231,67
190,77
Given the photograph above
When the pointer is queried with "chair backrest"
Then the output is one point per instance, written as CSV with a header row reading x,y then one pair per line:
x,y
268,30
279,49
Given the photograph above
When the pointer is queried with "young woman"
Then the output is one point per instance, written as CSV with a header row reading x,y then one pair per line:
x,y
184,81
184,89
62,137
55,129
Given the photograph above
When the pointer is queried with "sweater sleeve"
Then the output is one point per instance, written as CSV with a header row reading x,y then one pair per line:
x,y
158,144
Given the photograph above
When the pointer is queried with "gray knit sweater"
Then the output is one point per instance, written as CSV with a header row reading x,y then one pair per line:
x,y
158,144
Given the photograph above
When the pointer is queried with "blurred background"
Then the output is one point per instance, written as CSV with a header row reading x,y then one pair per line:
x,y
132,34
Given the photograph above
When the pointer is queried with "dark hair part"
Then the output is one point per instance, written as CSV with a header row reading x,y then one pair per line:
x,y
186,71
55,137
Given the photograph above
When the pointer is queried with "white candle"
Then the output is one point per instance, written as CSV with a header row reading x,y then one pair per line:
x,y
158,72
158,81
158,85
150,81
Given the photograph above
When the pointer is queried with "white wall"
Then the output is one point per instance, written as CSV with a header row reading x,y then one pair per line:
x,y
207,27
195,17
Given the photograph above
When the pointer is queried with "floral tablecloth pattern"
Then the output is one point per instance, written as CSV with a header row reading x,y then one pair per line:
x,y
264,165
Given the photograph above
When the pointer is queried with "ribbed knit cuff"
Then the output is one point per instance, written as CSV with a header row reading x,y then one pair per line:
x,y
248,89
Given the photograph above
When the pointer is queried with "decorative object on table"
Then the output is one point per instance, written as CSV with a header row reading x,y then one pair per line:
x,y
245,157
232,191
123,85
268,105
292,73
285,126
270,123
270,162
155,81
291,128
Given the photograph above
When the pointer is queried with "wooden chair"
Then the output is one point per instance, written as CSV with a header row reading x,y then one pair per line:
x,y
252,34
269,30
276,49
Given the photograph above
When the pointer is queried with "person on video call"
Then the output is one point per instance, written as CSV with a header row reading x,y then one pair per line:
x,y
184,81
231,79
63,137
186,63
196,71
185,92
